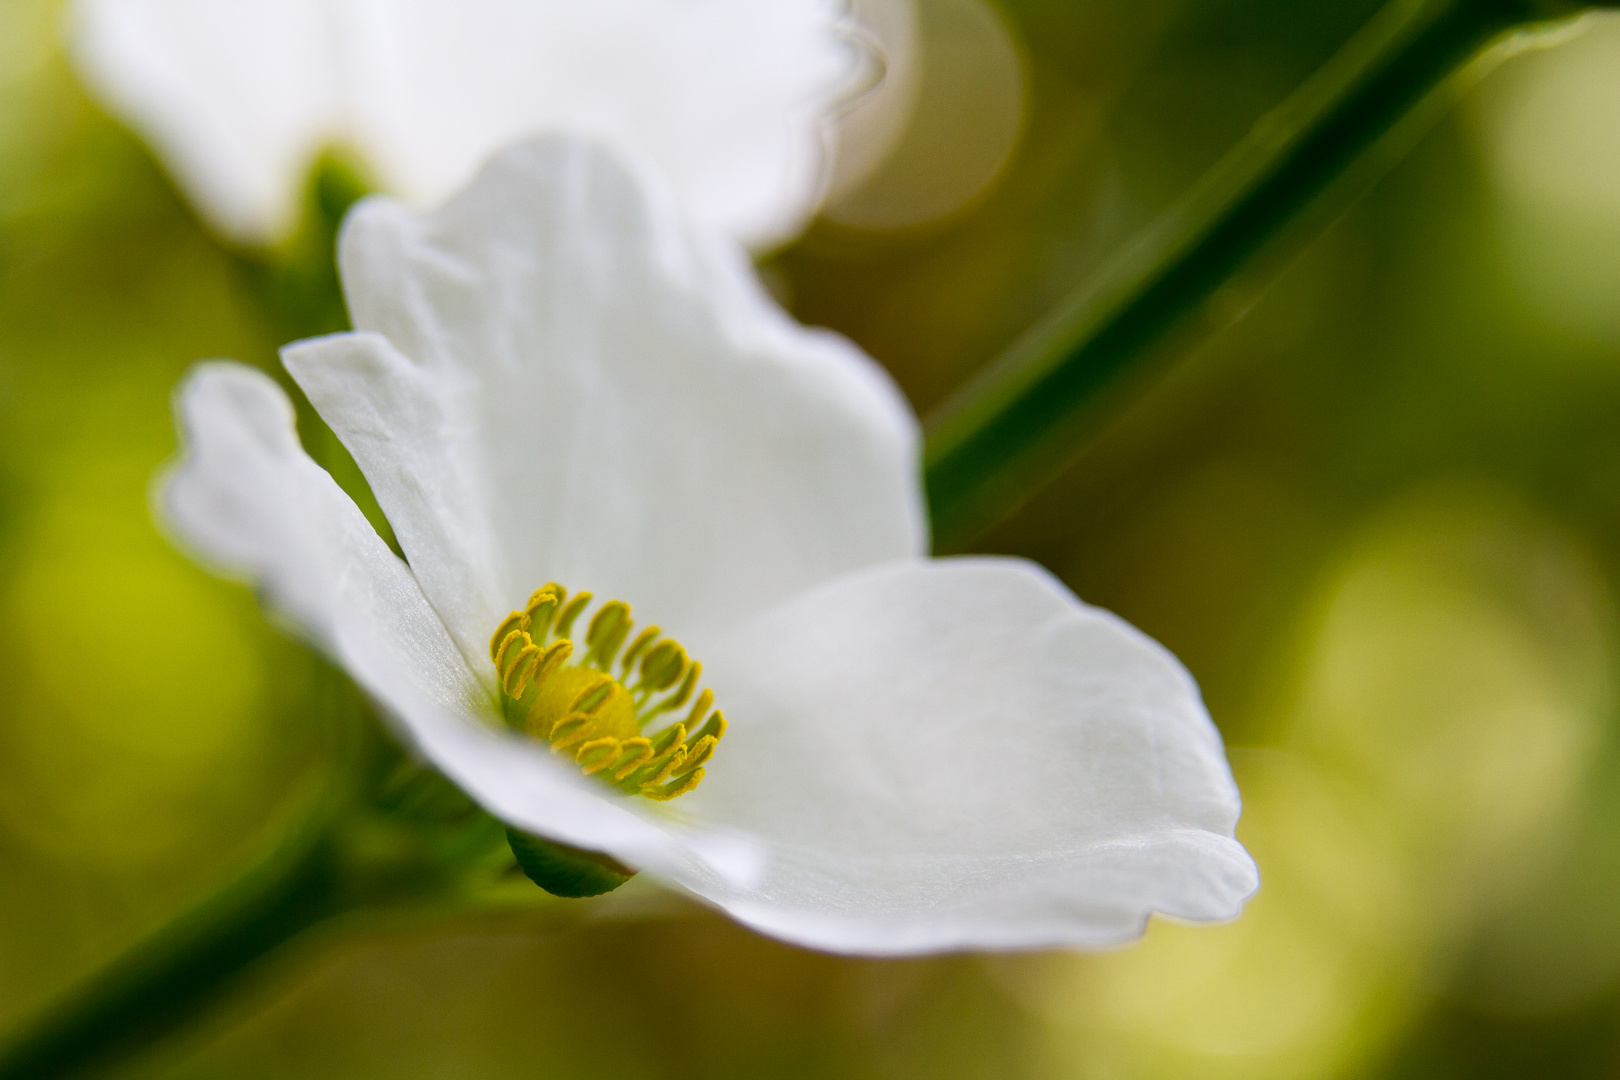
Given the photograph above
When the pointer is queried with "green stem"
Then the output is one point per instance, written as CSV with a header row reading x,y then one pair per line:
x,y
171,976
1018,424
376,832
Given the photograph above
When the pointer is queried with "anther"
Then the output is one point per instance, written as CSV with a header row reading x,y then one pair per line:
x,y
666,794
643,639
555,655
681,695
704,700
675,733
506,656
664,663
543,604
512,622
609,627
660,766
534,705
716,727
595,755
594,693
568,731
676,759
633,753
522,670
592,699
701,752
570,612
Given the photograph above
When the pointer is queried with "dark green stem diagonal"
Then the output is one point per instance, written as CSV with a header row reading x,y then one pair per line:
x,y
161,983
1017,425
375,832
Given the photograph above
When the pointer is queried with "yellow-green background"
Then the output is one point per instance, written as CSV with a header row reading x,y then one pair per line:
x,y
1378,516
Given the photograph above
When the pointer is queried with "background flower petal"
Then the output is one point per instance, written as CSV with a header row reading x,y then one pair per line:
x,y
728,98
247,499
236,98
960,754
562,383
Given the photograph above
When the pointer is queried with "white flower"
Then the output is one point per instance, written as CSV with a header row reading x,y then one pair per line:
x,y
727,97
556,380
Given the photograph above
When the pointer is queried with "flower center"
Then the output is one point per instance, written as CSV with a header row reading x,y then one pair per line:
x,y
595,707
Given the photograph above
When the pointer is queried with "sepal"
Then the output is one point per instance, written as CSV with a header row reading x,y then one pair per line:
x,y
566,871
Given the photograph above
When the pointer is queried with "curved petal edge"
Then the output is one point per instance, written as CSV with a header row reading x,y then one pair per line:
x,y
958,754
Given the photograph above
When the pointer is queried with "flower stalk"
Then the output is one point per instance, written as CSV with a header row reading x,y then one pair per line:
x,y
372,831
166,980
1027,415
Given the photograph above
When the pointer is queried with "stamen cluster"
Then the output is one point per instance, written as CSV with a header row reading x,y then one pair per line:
x,y
594,715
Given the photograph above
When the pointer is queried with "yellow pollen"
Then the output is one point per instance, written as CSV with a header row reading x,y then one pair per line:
x,y
566,693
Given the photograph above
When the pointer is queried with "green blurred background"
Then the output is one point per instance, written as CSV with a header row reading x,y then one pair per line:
x,y
1378,516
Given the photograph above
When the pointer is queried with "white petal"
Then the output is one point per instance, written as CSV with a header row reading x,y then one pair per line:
x,y
236,98
563,384
728,98
247,499
945,755
959,754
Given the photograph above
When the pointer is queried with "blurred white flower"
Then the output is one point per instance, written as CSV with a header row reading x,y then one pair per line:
x,y
728,97
556,379
940,130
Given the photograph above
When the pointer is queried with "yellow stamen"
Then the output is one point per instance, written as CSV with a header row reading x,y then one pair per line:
x,y
555,656
643,639
572,699
514,643
608,629
716,727
594,755
570,730
675,792
633,753
593,695
543,604
509,624
668,738
522,670
682,694
676,759
570,612
664,663
700,753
